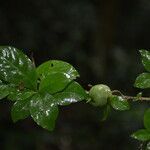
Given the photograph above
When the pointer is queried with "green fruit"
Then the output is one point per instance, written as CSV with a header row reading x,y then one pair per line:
x,y
99,94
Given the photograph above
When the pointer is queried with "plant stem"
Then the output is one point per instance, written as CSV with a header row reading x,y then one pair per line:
x,y
134,98
131,97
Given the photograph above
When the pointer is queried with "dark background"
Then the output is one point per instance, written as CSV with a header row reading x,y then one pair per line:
x,y
101,38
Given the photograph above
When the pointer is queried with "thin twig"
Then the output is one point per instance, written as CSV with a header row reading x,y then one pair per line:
x,y
117,92
131,97
134,98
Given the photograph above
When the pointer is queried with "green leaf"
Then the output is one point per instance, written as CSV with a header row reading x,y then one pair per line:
x,y
71,94
54,82
148,146
4,90
20,110
141,135
143,81
147,119
44,111
17,68
145,59
17,95
55,66
118,103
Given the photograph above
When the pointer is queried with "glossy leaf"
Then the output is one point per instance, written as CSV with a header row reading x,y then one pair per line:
x,y
54,82
141,135
16,67
44,111
4,90
71,94
118,103
147,119
55,66
145,59
17,95
20,110
143,81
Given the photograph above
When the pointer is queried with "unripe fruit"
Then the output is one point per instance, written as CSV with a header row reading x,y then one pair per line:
x,y
99,94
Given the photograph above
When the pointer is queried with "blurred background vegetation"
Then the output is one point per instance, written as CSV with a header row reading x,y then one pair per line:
x,y
101,38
